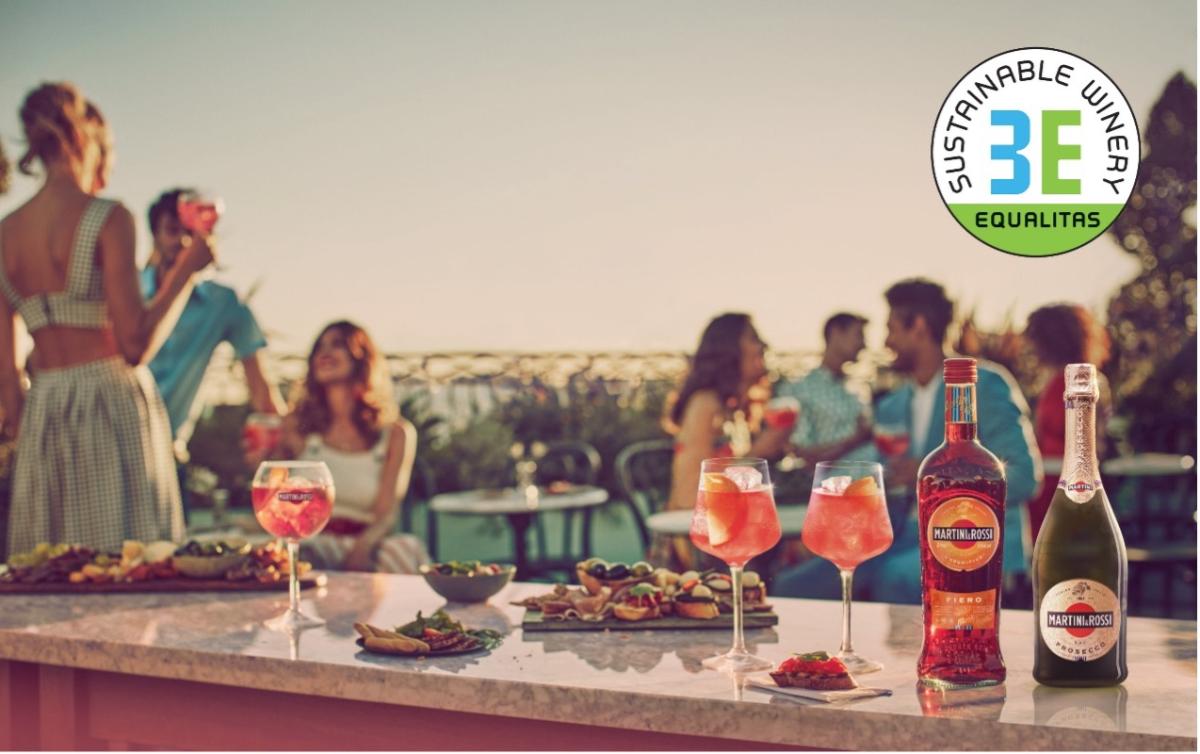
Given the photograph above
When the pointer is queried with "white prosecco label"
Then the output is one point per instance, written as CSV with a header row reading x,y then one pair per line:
x,y
1080,619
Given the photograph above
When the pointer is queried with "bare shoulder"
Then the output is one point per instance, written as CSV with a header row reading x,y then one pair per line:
x,y
701,404
119,226
401,433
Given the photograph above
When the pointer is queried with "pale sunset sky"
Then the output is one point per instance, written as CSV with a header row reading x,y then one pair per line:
x,y
549,175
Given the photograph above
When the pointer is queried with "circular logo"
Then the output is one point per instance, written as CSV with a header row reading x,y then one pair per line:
x,y
1035,151
963,534
1080,619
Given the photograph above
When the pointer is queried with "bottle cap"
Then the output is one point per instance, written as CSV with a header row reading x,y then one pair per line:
x,y
1081,380
959,371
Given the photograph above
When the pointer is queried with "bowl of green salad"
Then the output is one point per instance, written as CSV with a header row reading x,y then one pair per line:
x,y
467,580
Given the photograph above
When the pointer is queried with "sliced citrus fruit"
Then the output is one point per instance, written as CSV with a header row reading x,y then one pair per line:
x,y
277,476
714,482
864,486
725,513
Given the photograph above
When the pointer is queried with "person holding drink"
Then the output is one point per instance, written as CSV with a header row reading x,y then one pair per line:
x,y
93,457
711,417
347,420
919,318
213,315
832,420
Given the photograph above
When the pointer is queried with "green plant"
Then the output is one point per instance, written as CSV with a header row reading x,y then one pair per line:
x,y
475,457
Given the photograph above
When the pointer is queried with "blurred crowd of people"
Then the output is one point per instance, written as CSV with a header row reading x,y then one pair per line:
x,y
120,353
720,411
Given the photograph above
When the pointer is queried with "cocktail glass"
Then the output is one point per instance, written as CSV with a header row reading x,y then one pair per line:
x,y
262,433
891,440
200,210
847,523
292,500
735,520
782,412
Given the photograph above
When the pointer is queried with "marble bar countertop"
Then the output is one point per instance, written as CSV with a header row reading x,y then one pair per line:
x,y
649,680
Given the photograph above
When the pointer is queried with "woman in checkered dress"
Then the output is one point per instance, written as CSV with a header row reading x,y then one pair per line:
x,y
94,463
347,418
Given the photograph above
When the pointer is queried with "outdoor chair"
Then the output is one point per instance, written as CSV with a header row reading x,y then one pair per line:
x,y
1157,515
644,473
421,488
576,462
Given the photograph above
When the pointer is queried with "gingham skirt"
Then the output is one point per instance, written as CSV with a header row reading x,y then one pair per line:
x,y
94,464
399,553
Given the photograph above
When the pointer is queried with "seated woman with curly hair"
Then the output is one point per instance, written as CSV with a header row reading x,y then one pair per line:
x,y
346,417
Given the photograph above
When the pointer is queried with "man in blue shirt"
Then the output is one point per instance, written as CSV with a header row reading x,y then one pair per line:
x,y
917,324
213,315
833,422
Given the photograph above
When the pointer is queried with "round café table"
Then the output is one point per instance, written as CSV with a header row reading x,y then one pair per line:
x,y
520,507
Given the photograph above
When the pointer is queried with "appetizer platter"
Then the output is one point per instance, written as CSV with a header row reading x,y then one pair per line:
x,y
621,596
152,567
439,635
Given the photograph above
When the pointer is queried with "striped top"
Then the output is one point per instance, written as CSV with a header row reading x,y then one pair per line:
x,y
81,303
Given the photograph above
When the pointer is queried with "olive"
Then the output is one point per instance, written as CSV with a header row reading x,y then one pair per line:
x,y
598,571
617,572
445,570
641,568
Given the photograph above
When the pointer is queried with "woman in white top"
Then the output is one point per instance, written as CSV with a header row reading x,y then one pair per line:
x,y
346,417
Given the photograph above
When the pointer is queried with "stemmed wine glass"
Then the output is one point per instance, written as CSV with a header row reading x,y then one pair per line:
x,y
735,520
847,523
293,500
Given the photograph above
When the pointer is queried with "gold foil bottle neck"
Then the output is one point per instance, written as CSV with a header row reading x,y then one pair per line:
x,y
1081,381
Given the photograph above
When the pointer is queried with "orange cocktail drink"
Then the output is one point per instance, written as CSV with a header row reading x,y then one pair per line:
x,y
735,520
848,528
847,523
733,524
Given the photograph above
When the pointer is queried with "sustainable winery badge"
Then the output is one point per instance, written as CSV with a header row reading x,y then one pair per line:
x,y
1035,151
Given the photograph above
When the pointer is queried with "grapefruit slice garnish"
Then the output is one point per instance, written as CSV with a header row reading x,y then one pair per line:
x,y
864,486
725,514
277,477
714,482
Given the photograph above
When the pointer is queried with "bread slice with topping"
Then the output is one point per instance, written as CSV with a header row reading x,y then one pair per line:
x,y
815,670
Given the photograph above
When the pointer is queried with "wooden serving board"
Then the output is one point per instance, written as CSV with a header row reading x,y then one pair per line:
x,y
533,621
162,585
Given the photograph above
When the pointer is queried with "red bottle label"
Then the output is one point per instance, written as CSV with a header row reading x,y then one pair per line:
x,y
963,534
